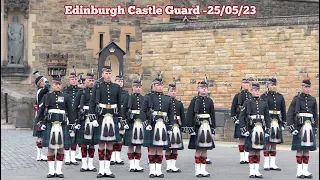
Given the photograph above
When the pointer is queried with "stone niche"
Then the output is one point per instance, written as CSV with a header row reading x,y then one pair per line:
x,y
14,36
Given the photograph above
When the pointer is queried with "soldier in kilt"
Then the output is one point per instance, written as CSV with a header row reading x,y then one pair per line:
x,y
133,136
54,110
43,88
255,124
175,139
237,104
201,121
103,113
277,111
158,108
81,85
71,91
148,117
302,120
117,147
84,134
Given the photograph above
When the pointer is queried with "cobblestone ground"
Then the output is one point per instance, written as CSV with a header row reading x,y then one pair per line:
x,y
18,154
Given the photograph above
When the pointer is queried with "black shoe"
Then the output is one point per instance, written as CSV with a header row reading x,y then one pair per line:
x,y
83,170
152,176
261,177
242,162
60,175
169,171
139,170
93,170
132,170
109,176
177,171
67,163
308,177
252,176
206,175
100,175
199,176
208,162
120,163
275,169
51,175
246,162
112,163
74,163
160,176
300,177
266,169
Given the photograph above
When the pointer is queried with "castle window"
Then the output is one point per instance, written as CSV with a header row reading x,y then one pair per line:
x,y
101,41
127,43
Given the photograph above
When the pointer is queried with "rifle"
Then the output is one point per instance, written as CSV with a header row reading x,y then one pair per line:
x,y
81,111
98,109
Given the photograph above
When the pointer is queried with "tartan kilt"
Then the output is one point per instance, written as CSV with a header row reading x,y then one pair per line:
x,y
66,136
148,138
296,142
127,137
281,136
237,132
35,132
193,141
248,143
80,135
97,131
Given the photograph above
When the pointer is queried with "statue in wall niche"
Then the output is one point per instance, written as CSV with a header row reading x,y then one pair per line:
x,y
15,41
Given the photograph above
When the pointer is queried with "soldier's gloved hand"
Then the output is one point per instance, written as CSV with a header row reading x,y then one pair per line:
x,y
246,134
67,121
237,122
126,126
170,133
149,128
43,127
77,127
234,119
82,111
266,135
95,123
282,128
295,132
193,134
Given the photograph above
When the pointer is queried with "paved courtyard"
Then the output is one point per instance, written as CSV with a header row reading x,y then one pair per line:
x,y
18,154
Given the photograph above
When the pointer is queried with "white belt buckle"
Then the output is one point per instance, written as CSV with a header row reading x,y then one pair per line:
x,y
57,111
86,107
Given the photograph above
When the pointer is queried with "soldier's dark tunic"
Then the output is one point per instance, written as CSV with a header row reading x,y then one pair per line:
x,y
237,104
301,106
124,95
178,118
86,93
40,93
206,106
160,103
277,111
61,101
136,103
255,111
110,94
72,91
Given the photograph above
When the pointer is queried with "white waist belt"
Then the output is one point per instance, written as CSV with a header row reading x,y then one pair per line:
x,y
135,111
108,106
58,111
86,107
274,112
203,115
257,116
306,114
159,113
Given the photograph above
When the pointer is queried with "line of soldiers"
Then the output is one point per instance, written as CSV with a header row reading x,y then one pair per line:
x,y
102,113
259,122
